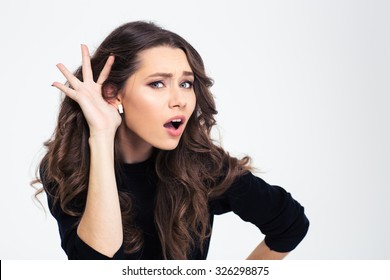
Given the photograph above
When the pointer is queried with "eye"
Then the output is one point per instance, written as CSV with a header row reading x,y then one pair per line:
x,y
186,85
158,84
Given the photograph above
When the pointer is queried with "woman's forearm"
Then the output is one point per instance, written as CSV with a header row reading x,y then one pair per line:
x,y
101,223
263,252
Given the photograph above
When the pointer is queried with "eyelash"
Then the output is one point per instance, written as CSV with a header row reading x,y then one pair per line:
x,y
154,84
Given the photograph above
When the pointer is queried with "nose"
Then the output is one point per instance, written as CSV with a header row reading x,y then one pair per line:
x,y
177,98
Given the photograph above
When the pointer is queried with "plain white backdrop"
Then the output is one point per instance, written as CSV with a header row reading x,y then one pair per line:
x,y
301,86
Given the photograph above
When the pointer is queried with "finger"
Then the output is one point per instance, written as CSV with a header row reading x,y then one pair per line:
x,y
73,81
106,69
65,89
86,64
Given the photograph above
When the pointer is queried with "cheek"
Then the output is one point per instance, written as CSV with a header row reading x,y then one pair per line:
x,y
142,110
142,101
192,102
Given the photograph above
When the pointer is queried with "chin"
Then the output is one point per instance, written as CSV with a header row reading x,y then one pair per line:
x,y
169,146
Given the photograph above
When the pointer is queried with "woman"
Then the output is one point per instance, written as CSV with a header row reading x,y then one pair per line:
x,y
131,171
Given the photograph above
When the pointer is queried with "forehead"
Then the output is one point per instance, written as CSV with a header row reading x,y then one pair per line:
x,y
163,59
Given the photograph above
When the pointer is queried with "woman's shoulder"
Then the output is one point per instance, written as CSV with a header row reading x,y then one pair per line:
x,y
245,183
246,188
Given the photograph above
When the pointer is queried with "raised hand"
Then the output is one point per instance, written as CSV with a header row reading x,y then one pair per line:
x,y
101,115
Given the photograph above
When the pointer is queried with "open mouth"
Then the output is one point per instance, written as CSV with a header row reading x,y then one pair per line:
x,y
174,124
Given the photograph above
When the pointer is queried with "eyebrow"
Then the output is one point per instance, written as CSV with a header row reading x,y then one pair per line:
x,y
169,75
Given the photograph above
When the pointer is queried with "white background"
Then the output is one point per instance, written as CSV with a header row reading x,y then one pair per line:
x,y
301,86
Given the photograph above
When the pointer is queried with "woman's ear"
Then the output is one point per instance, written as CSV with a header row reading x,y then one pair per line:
x,y
109,92
112,95
118,101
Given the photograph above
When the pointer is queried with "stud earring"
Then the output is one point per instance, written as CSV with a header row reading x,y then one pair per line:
x,y
120,108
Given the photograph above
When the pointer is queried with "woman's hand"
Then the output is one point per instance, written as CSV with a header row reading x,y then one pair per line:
x,y
102,116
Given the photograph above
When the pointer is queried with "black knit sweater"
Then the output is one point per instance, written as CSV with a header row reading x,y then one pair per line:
x,y
273,210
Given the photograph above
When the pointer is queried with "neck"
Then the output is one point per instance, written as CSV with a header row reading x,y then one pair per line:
x,y
132,148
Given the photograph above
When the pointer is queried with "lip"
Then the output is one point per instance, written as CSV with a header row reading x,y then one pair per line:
x,y
171,130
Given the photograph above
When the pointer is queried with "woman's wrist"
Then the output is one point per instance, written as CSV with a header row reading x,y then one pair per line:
x,y
101,145
101,137
263,252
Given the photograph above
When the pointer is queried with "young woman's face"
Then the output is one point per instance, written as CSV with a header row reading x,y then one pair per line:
x,y
158,99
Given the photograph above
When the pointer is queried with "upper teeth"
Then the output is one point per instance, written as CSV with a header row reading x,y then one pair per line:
x,y
176,120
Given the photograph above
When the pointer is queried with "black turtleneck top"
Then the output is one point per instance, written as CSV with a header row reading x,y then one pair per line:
x,y
273,210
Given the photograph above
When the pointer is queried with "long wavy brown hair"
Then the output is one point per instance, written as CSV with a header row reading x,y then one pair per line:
x,y
196,171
